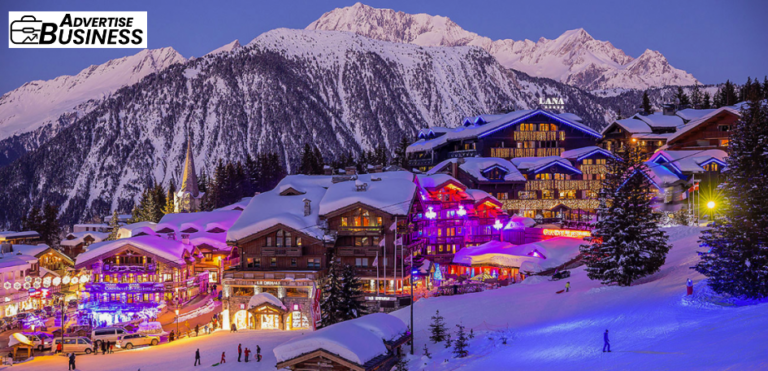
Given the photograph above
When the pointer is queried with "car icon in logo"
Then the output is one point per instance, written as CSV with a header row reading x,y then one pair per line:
x,y
26,31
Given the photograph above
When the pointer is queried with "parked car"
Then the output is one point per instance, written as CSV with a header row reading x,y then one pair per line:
x,y
112,334
76,344
21,316
40,340
132,340
40,313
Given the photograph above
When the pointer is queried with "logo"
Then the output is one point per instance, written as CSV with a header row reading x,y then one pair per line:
x,y
551,102
77,30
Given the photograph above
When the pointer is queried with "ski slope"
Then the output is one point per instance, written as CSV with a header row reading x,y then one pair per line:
x,y
653,326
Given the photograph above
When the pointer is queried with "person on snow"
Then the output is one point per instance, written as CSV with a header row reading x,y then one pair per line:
x,y
234,328
72,361
690,287
607,344
111,346
103,347
197,357
95,348
170,337
239,351
205,329
568,286
247,352
197,330
58,348
258,353
223,360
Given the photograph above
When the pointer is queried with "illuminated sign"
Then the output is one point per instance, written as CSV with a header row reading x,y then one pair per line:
x,y
551,102
566,233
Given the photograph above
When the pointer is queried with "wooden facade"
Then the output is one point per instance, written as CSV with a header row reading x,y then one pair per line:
x,y
282,248
711,132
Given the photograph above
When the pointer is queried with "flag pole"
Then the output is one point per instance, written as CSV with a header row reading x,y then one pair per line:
x,y
377,273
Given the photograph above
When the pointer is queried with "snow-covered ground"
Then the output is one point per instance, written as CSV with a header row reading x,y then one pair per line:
x,y
653,326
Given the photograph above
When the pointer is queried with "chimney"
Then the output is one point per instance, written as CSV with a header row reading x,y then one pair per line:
x,y
350,170
307,207
455,169
185,238
327,170
669,109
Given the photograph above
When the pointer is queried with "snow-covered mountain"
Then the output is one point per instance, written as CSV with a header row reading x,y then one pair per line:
x,y
234,45
38,103
340,91
574,58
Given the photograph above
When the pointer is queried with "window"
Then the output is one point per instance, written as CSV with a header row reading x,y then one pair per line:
x,y
567,194
503,195
587,161
526,195
723,127
361,262
544,176
601,161
253,262
269,241
313,263
273,262
559,176
376,240
298,241
547,195
723,142
344,221
527,127
288,241
362,241
279,239
293,262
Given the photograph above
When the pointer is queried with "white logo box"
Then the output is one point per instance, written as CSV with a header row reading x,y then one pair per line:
x,y
26,30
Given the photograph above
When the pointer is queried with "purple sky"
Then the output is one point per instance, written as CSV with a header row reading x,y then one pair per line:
x,y
713,40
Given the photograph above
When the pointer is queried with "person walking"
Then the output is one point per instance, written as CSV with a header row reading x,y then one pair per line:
x,y
111,346
247,353
170,337
58,348
689,286
239,351
223,360
568,286
607,344
234,328
197,357
95,348
258,353
205,330
197,330
72,361
103,347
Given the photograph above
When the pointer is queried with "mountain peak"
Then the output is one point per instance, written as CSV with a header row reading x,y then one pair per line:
x,y
232,46
575,57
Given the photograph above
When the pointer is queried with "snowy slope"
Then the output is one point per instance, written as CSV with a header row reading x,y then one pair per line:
x,y
38,103
652,325
575,57
234,45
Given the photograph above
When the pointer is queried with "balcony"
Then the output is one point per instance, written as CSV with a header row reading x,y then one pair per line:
x,y
420,162
445,240
129,268
360,231
281,251
520,136
357,251
525,152
538,185
462,153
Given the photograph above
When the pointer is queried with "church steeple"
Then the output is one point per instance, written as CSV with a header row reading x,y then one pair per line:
x,y
189,178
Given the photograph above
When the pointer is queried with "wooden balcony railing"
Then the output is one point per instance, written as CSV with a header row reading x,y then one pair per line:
x,y
539,135
363,231
281,251
526,152
594,169
357,251
462,153
539,185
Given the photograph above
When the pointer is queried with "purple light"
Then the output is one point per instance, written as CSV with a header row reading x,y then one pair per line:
x,y
558,163
540,111
593,152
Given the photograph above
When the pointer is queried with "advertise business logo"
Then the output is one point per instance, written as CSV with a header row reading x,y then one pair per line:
x,y
77,30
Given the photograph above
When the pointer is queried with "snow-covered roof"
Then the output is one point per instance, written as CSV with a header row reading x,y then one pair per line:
x,y
631,125
660,175
497,122
480,195
580,153
79,237
557,250
539,163
359,340
689,161
391,192
165,248
571,117
660,120
13,234
31,250
477,166
238,205
701,120
201,221
653,136
270,208
130,230
265,298
689,114
14,261
519,222
496,253
437,180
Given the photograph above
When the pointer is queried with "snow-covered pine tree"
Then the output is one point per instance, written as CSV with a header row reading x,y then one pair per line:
x,y
448,340
332,295
626,243
461,344
682,98
696,97
737,258
706,101
426,352
170,206
351,306
114,226
437,328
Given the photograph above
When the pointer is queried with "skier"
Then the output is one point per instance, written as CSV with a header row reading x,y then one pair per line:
x,y
239,351
197,357
72,361
690,287
607,344
223,360
568,286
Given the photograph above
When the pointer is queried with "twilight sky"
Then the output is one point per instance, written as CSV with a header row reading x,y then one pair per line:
x,y
713,40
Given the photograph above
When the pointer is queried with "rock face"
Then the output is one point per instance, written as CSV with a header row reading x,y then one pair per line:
x,y
337,90
574,58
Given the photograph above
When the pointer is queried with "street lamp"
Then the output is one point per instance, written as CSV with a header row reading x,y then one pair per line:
x,y
177,322
711,206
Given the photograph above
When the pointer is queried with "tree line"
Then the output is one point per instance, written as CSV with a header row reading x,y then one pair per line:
x,y
726,95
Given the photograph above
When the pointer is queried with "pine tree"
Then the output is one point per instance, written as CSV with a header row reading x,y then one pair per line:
x,y
626,243
401,154
50,231
448,340
319,162
351,306
647,109
471,333
33,221
402,364
114,226
437,328
729,96
332,295
159,199
307,160
765,87
736,262
461,344
170,204
426,352
682,98
202,182
706,101
696,97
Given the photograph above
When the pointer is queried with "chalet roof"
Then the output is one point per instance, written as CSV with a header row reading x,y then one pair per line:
x,y
689,114
477,166
701,121
168,249
690,161
580,153
78,237
660,120
536,164
495,123
390,192
438,180
631,125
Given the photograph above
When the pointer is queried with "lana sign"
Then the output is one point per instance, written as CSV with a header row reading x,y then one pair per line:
x,y
566,233
551,103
